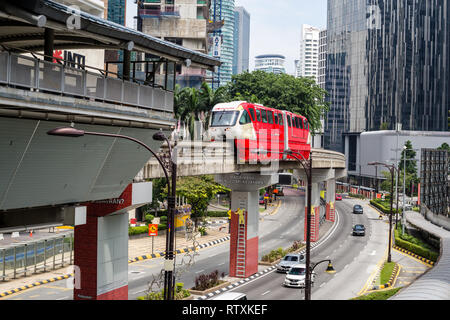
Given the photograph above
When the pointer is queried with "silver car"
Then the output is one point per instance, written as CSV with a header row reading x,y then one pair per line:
x,y
290,260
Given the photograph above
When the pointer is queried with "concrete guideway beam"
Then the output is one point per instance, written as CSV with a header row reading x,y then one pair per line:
x,y
245,219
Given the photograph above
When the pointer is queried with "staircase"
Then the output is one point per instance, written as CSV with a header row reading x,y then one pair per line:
x,y
240,257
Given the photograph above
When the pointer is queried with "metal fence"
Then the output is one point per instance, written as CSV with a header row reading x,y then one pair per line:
x,y
24,259
36,74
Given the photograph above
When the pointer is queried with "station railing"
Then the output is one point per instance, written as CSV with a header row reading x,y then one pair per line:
x,y
32,257
61,77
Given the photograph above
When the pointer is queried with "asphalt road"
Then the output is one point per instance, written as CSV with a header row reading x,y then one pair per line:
x,y
355,260
279,230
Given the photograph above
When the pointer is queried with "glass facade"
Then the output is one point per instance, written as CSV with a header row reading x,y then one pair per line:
x,y
241,58
224,10
387,63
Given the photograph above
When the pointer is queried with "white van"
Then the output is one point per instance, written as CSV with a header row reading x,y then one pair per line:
x,y
231,296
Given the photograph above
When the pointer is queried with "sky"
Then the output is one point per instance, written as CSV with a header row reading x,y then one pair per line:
x,y
275,25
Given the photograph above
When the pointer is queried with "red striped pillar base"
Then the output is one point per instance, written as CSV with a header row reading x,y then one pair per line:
x,y
315,219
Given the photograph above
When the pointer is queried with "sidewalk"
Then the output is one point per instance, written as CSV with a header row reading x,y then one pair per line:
x,y
138,246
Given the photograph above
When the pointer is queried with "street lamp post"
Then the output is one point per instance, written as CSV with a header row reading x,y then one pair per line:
x,y
307,166
169,280
171,189
391,169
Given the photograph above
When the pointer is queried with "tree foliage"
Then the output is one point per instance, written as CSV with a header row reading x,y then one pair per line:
x,y
192,104
283,92
408,156
198,192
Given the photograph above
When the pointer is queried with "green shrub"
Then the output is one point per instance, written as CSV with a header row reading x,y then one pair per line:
x,y
217,214
380,204
355,195
144,229
418,247
180,293
149,218
137,230
207,281
202,230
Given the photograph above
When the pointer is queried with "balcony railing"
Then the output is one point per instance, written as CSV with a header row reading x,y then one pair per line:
x,y
150,90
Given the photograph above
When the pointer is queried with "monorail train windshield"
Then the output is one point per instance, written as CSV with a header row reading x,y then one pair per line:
x,y
224,118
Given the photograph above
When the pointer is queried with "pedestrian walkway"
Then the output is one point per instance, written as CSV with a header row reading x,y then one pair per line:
x,y
435,283
138,246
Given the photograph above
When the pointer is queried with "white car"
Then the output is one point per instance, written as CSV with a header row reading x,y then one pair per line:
x,y
296,276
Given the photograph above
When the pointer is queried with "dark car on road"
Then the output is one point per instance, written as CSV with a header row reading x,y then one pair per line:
x,y
358,209
359,230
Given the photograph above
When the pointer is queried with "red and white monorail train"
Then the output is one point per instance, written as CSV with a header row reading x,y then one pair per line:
x,y
260,133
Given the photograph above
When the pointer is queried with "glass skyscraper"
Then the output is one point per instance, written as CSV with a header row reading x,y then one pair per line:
x,y
224,10
388,62
241,58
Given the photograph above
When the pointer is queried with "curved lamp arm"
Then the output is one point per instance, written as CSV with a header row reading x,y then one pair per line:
x,y
72,132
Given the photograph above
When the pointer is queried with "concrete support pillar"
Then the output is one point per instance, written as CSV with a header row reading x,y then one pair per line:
x,y
101,245
245,219
315,212
330,199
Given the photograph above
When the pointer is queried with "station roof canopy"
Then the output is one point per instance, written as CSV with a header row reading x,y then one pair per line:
x,y
23,24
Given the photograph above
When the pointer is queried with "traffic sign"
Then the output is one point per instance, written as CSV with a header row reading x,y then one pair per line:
x,y
152,230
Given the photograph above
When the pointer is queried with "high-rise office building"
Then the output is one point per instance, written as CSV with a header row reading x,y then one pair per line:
x,y
272,63
388,63
308,62
117,11
222,44
241,59
322,67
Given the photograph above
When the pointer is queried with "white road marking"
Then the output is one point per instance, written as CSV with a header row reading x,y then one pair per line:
x,y
265,292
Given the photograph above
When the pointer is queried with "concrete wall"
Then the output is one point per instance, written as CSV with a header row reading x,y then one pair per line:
x,y
380,146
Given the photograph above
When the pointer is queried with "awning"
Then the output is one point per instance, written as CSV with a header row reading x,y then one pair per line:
x,y
22,25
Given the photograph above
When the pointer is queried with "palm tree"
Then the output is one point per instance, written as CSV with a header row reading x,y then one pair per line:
x,y
191,104
209,98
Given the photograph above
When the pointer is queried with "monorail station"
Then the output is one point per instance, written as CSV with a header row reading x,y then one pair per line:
x,y
48,180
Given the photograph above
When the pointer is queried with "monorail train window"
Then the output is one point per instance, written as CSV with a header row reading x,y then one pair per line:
x,y
264,116
224,118
245,118
258,115
295,120
276,118
300,123
270,116
280,119
252,112
289,121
